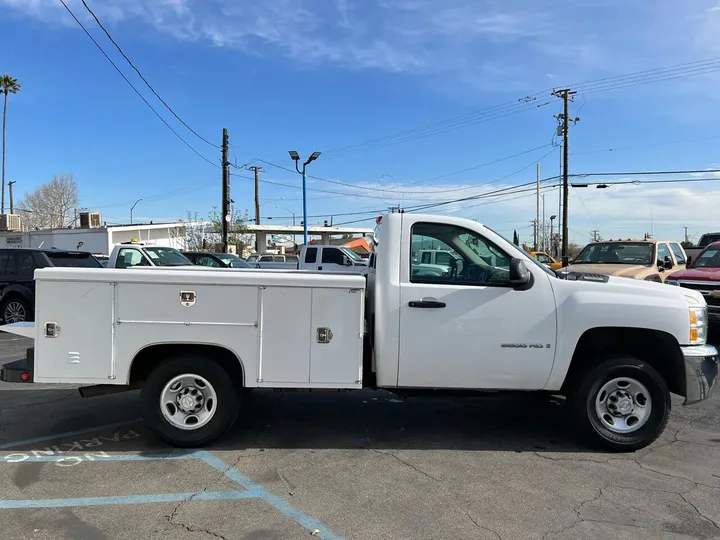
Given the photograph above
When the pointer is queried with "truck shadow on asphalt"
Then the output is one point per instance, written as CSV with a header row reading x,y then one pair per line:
x,y
376,420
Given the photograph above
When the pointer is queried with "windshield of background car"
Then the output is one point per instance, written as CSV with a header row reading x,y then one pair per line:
x,y
708,239
710,258
163,256
617,253
73,260
233,261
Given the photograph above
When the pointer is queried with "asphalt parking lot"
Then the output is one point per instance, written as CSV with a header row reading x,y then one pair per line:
x,y
346,465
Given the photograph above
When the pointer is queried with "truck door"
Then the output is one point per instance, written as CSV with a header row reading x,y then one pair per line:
x,y
470,328
332,260
310,261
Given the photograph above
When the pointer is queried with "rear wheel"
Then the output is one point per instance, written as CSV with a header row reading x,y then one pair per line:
x,y
16,309
190,401
622,403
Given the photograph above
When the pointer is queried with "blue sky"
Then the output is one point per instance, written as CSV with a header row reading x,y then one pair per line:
x,y
323,74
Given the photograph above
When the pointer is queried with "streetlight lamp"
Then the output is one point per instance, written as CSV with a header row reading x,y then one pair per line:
x,y
552,218
133,208
296,158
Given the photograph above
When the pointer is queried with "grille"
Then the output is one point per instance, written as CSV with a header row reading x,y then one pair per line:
x,y
706,289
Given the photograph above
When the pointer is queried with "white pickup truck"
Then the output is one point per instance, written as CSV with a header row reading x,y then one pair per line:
x,y
194,340
315,257
131,254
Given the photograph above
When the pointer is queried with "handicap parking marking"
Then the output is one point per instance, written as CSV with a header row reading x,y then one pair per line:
x,y
54,454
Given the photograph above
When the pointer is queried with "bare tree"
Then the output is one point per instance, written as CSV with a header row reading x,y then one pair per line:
x,y
52,205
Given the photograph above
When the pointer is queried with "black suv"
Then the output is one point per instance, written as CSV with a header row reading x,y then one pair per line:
x,y
17,271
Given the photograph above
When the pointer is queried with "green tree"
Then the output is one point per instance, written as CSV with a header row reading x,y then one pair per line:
x,y
687,244
8,85
206,234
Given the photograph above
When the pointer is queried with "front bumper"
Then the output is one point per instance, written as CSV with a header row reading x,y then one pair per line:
x,y
701,372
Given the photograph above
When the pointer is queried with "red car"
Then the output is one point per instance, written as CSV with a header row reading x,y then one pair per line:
x,y
703,274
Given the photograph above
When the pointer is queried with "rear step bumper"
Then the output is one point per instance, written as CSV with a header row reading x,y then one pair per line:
x,y
20,371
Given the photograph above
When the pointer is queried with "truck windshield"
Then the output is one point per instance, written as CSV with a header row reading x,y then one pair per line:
x,y
708,239
351,254
710,258
164,256
617,253
73,260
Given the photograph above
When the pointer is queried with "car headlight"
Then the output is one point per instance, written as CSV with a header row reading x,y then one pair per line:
x,y
698,318
670,282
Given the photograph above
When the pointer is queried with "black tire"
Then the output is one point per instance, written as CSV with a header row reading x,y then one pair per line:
x,y
587,386
226,407
17,302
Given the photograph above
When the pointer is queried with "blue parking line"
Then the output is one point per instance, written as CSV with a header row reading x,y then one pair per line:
x,y
277,502
34,440
129,499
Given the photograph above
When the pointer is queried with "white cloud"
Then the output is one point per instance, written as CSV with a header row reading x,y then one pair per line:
x,y
484,43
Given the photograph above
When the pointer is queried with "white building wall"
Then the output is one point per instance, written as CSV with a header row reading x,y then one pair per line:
x,y
96,240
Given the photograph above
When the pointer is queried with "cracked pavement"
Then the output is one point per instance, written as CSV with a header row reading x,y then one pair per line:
x,y
368,466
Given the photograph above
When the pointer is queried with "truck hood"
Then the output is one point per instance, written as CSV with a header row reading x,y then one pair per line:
x,y
620,270
697,274
608,285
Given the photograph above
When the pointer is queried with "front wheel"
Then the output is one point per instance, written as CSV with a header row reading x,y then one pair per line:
x,y
622,404
190,401
16,309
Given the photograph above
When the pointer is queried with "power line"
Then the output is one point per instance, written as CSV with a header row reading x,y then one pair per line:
x,y
133,86
634,147
648,76
143,78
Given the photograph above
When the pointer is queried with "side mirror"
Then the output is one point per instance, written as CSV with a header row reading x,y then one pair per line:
x,y
667,263
520,276
347,261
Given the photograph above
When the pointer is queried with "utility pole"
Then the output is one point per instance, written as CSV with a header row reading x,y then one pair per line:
x,y
595,235
566,95
686,235
534,224
10,185
537,204
225,208
257,170
543,229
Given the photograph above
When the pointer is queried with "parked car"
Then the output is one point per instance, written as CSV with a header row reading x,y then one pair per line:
x,y
129,254
546,259
17,277
218,260
647,259
703,275
705,240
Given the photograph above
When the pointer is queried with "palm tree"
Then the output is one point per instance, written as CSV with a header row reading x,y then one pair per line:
x,y
8,85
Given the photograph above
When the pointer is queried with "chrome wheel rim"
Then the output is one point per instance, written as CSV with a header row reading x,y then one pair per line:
x,y
188,401
14,312
623,405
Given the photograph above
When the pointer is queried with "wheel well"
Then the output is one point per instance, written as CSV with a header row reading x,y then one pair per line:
x,y
150,357
659,349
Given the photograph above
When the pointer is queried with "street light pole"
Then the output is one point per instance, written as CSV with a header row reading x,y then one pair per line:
x,y
552,218
131,210
293,215
296,158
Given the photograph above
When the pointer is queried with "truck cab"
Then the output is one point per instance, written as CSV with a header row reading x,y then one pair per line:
x,y
332,259
134,253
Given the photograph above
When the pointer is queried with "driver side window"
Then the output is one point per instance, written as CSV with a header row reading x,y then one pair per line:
x,y
463,257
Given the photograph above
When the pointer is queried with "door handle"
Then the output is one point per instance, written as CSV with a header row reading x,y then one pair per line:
x,y
431,304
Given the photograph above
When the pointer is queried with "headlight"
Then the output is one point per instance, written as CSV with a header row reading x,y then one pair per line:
x,y
698,318
670,282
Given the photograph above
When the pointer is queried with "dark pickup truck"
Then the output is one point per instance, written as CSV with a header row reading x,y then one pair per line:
x,y
703,275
